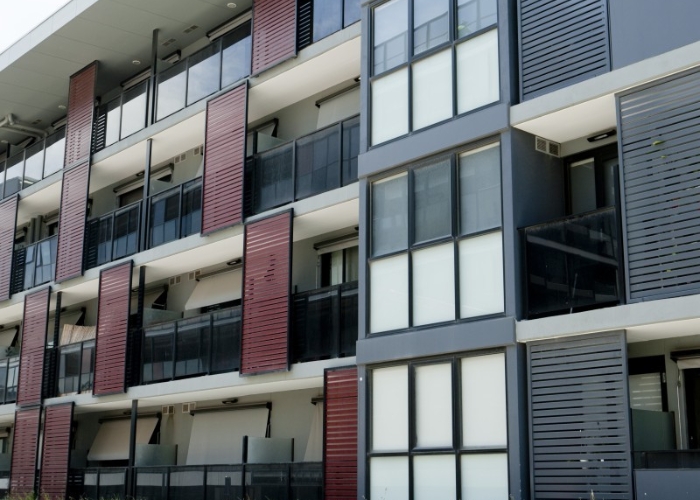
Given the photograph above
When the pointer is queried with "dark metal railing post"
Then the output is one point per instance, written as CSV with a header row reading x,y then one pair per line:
x,y
130,474
143,237
151,96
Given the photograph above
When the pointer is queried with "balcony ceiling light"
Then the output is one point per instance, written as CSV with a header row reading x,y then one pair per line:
x,y
231,5
135,62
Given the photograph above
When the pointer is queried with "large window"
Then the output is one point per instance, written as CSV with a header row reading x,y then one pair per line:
x,y
446,63
439,429
436,242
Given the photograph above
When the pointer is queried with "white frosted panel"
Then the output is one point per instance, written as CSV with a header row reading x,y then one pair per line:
x,y
485,477
484,401
224,287
390,106
390,409
343,106
433,285
432,89
434,477
434,406
481,275
112,439
389,294
314,446
477,72
388,478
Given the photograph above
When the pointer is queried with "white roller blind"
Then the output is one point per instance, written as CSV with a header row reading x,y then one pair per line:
x,y
389,294
390,106
484,401
481,275
7,336
314,447
432,89
434,406
433,284
339,107
434,477
485,476
148,299
389,478
685,364
112,440
216,289
390,409
477,72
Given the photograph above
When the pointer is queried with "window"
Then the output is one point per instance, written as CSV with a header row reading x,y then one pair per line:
x,y
338,266
440,427
448,62
329,16
436,242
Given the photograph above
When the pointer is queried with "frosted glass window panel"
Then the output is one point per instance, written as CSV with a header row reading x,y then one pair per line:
x,y
390,35
484,401
134,110
388,478
390,215
432,191
477,72
337,267
481,275
434,477
430,24
433,284
328,18
645,392
473,15
389,294
390,409
485,477
171,90
432,90
203,73
480,189
235,58
434,406
390,106
113,119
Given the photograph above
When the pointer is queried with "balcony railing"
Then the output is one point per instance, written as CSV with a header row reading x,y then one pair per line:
x,y
319,162
120,117
202,345
573,264
34,264
113,236
667,459
325,323
9,374
76,367
175,213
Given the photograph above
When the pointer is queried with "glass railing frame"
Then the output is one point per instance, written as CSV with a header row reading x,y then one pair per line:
x,y
120,98
7,362
138,205
25,248
181,188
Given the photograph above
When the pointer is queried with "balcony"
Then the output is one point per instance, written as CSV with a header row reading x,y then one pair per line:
x,y
319,162
202,345
9,374
34,264
113,236
325,323
573,264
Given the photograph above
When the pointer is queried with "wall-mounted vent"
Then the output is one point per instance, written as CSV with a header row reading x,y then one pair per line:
x,y
198,150
194,275
188,407
548,147
175,280
168,409
169,41
190,29
180,158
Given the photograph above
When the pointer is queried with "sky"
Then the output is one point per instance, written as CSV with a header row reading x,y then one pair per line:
x,y
21,16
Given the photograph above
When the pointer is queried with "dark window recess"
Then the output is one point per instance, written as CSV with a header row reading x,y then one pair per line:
x,y
592,180
175,213
316,19
340,266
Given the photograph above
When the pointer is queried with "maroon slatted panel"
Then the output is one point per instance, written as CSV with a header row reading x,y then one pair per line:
x,y
31,359
81,98
112,328
222,204
8,228
25,443
267,268
71,224
274,32
56,451
340,425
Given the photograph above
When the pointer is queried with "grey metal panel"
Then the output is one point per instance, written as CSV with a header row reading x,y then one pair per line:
x,y
579,418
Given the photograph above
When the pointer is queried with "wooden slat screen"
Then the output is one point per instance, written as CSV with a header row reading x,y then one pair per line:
x,y
222,198
562,42
81,99
25,443
580,418
8,229
31,361
660,133
340,431
71,224
267,281
112,329
274,33
55,457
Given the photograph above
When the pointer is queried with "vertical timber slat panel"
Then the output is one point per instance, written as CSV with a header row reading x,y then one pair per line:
x,y
8,229
25,444
112,329
31,361
81,98
222,204
274,32
267,271
340,429
71,224
56,451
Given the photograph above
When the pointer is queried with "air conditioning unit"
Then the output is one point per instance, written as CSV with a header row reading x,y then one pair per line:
x,y
168,410
188,407
548,147
194,275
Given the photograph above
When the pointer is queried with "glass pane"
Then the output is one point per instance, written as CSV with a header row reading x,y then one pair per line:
x,y
485,477
3,379
352,12
390,409
235,63
12,376
480,189
645,392
55,150
432,191
609,181
433,285
104,240
86,371
34,164
390,106
435,477
430,24
192,209
352,268
477,72
473,15
432,90
158,353
134,109
112,111
273,178
14,169
126,232
192,346
203,73
389,294
481,275
484,401
434,406
318,162
582,186
164,218
388,478
69,369
390,35
328,17
390,215
351,149
226,340
171,90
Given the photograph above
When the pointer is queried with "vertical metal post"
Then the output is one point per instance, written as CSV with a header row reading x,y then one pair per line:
x,y
130,473
143,237
151,100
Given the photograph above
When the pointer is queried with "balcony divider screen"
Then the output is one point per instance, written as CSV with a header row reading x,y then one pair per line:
x,y
71,224
55,457
274,33
31,376
8,229
25,444
81,98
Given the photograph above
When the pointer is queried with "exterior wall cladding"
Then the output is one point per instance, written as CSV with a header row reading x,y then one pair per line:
x,y
334,249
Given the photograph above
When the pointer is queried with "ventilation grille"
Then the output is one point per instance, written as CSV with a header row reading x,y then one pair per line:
x,y
175,280
198,150
168,409
169,41
547,147
190,29
180,158
193,275
188,407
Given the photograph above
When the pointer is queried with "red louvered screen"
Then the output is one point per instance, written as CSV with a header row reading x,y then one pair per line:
x,y
81,98
274,32
112,329
267,271
71,224
222,204
340,425
56,451
25,443
31,359
8,228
